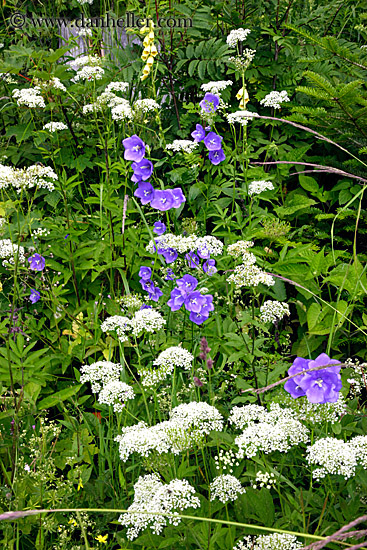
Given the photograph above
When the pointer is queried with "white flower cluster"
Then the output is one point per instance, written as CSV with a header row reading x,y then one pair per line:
x,y
242,62
26,178
143,106
257,187
277,430
275,99
248,274
359,378
153,496
9,250
86,32
241,416
106,99
239,248
104,379
122,111
275,541
149,320
88,73
186,244
83,2
40,232
115,393
187,426
241,117
91,60
117,87
226,488
6,77
215,87
185,145
30,97
237,35
272,311
57,84
131,302
264,479
314,413
337,457
166,362
100,373
54,126
225,460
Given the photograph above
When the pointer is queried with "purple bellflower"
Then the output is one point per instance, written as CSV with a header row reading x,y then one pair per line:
x,y
134,148
162,200
144,192
35,296
210,103
37,262
216,157
213,141
142,170
199,133
159,228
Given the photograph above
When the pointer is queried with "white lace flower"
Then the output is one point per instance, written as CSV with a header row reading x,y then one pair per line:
x,y
237,35
272,311
88,73
27,178
115,393
54,126
30,97
166,362
241,117
257,187
275,541
334,456
100,373
250,275
117,87
122,111
239,248
264,479
151,495
225,488
185,145
186,244
215,87
275,99
143,106
8,252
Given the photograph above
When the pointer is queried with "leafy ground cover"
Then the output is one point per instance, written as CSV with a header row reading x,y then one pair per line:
x,y
183,279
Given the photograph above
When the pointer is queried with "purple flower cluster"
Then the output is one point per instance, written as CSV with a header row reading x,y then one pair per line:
x,y
147,284
194,262
213,143
142,170
319,386
199,305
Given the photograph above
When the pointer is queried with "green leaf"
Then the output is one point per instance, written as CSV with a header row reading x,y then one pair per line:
x,y
61,395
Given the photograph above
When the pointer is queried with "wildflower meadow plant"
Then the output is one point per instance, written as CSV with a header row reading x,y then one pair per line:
x,y
182,281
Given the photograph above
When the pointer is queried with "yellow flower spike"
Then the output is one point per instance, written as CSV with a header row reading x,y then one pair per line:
x,y
80,484
102,539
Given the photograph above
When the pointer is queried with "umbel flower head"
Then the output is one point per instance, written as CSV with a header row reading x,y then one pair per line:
x,y
321,385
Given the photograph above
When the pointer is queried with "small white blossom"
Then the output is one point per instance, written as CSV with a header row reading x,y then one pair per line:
x,y
237,35
166,362
54,126
185,145
239,248
57,84
115,393
100,373
275,99
88,73
9,250
226,488
186,244
264,479
250,275
242,62
122,111
257,187
241,117
148,320
91,60
314,413
118,323
334,456
275,541
151,495
215,87
117,87
272,311
145,106
30,97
